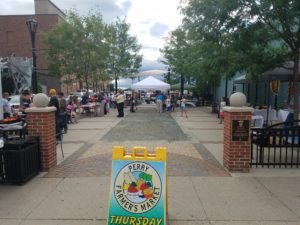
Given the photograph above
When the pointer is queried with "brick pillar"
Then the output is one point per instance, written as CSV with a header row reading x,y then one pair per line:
x,y
237,121
41,122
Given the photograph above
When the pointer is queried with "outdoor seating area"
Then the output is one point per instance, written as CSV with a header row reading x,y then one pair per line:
x,y
272,116
276,145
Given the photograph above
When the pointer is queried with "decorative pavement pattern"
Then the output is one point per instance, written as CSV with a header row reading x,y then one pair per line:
x,y
144,128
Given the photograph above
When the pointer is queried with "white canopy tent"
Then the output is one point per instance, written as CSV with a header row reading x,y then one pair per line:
x,y
151,83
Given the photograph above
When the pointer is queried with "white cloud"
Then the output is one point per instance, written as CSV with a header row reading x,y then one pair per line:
x,y
145,14
16,7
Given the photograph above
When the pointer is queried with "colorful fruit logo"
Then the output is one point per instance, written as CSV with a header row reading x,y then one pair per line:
x,y
137,187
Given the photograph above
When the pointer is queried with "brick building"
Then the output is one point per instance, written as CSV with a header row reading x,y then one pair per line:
x,y
15,38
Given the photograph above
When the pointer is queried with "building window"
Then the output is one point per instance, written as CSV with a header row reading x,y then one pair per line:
x,y
10,37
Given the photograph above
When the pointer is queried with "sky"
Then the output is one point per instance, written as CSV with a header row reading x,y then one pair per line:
x,y
151,20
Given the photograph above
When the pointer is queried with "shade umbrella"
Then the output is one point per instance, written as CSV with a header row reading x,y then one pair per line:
x,y
283,73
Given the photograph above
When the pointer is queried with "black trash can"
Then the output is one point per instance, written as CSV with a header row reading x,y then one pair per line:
x,y
214,107
21,160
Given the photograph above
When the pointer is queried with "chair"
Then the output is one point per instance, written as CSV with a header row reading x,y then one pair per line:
x,y
293,140
257,121
292,131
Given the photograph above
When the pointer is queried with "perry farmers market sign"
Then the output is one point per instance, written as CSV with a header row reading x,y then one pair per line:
x,y
138,188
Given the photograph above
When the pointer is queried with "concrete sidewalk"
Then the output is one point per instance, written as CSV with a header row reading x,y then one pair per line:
x,y
200,191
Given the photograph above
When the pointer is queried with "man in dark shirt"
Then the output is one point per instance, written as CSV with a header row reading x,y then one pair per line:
x,y
63,117
25,101
54,102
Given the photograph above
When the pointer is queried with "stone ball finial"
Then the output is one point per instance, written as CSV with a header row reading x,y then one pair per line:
x,y
238,99
40,100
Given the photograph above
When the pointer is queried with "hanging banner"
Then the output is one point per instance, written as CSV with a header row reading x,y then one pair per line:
x,y
275,86
138,193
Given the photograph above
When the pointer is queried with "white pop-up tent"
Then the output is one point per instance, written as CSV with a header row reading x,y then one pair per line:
x,y
151,83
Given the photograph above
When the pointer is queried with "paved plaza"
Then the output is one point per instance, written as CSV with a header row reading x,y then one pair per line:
x,y
201,192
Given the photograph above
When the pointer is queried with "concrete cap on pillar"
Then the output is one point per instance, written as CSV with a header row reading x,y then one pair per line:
x,y
238,99
40,100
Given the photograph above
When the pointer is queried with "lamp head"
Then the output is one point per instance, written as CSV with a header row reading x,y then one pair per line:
x,y
32,25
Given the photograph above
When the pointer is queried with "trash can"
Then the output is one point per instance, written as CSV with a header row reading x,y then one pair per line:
x,y
21,160
214,107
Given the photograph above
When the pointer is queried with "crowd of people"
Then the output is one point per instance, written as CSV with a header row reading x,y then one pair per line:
x,y
167,103
67,111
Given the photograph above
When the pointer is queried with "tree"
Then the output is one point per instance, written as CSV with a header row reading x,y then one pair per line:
x,y
77,47
252,35
123,59
176,55
283,18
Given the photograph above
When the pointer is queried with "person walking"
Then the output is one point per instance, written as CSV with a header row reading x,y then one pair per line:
x,y
183,106
120,99
159,102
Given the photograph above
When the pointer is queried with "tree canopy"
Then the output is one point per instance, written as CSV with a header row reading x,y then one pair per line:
x,y
123,58
248,36
86,49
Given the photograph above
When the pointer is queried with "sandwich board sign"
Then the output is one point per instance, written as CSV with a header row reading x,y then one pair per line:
x,y
138,193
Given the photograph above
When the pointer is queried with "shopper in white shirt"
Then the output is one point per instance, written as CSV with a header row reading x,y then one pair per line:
x,y
120,99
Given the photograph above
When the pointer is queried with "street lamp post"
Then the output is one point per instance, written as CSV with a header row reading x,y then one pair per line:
x,y
32,27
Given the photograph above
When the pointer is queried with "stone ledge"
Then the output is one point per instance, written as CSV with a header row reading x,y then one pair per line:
x,y
238,109
40,109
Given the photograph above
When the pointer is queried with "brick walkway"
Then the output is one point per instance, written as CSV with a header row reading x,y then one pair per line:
x,y
143,128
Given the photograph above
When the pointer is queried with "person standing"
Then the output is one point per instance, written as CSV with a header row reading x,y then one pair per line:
x,y
132,102
85,101
173,102
25,101
159,102
120,99
183,106
63,116
168,104
6,106
54,102
221,111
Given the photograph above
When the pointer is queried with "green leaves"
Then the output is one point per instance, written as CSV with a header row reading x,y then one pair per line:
x,y
225,37
123,58
89,50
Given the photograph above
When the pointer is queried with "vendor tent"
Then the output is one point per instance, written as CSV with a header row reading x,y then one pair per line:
x,y
151,83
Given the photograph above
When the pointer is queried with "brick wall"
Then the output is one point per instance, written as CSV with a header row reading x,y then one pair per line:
x,y
15,38
15,25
